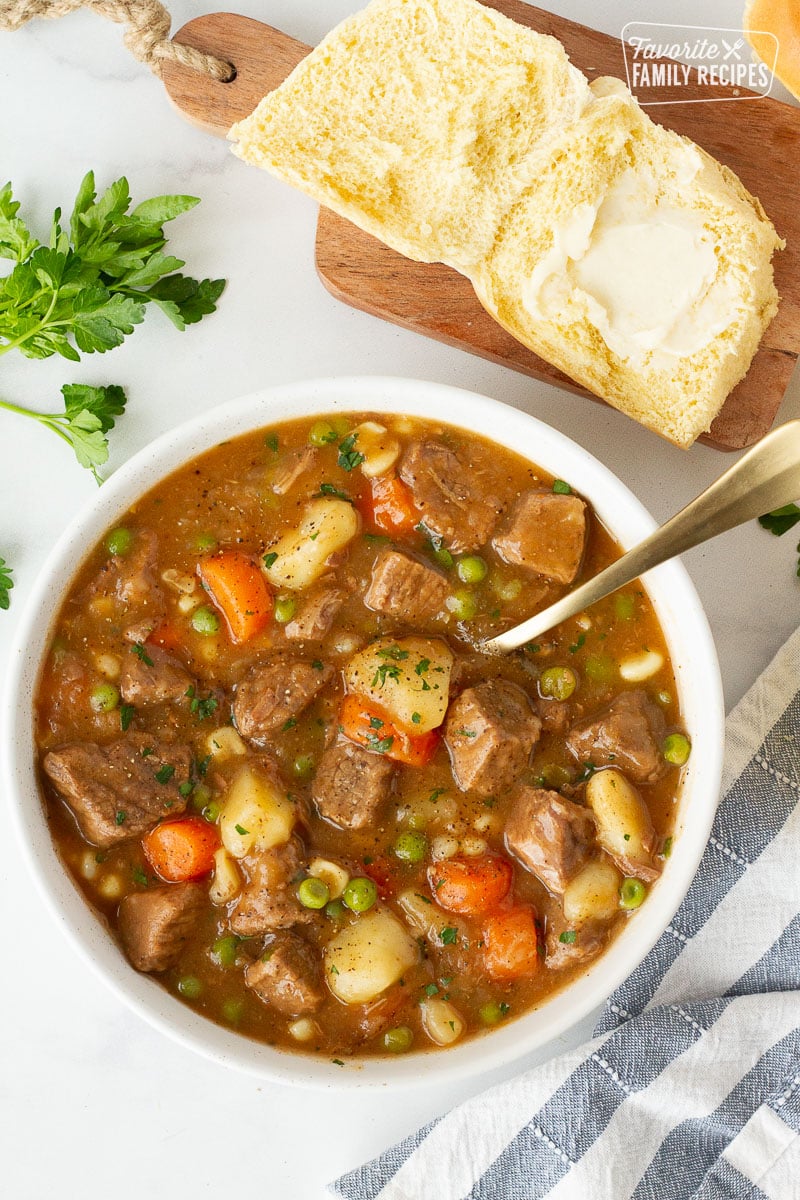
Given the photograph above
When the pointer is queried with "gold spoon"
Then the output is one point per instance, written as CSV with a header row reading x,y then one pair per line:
x,y
766,477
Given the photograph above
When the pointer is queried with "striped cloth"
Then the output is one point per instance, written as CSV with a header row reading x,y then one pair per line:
x,y
691,1085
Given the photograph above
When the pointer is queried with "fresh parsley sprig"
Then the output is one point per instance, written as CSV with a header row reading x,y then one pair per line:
x,y
6,584
90,285
780,521
89,413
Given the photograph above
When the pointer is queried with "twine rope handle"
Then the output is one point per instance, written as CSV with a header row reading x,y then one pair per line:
x,y
147,36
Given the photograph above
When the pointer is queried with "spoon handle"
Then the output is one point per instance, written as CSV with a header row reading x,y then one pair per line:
x,y
766,477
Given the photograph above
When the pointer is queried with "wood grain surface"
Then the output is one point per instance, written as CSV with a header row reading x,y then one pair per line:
x,y
759,138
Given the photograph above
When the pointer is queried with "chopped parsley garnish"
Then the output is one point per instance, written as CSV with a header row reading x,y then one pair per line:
x,y
385,671
289,723
393,652
165,773
376,723
139,877
562,488
665,853
269,559
317,664
589,769
203,707
431,989
448,935
567,937
186,787
467,733
425,900
147,751
201,765
575,647
435,794
780,521
126,712
271,440
327,489
504,1008
337,1062
533,647
349,458
141,654
379,745
416,718
120,817
240,829
422,666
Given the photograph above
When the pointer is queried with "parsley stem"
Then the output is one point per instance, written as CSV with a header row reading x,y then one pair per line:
x,y
23,337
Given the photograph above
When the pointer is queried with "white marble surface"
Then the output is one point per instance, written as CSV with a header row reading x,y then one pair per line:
x,y
82,1080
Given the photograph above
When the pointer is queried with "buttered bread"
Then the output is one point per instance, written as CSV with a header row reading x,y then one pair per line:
x,y
614,248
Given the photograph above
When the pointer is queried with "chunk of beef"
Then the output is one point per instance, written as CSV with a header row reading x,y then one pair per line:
x,y
405,588
589,941
490,732
153,677
546,533
627,734
267,900
287,976
450,493
552,836
273,692
316,616
118,791
351,784
292,466
555,715
155,925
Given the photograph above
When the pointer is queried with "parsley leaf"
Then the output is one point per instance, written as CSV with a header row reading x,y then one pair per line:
x,y
780,520
567,937
164,773
6,582
126,712
327,489
448,935
140,652
89,413
349,458
87,289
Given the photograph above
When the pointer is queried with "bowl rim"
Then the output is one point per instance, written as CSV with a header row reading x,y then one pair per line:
x,y
669,588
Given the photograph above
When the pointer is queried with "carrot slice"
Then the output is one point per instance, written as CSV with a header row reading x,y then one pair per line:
x,y
511,944
240,592
181,849
370,726
471,885
389,507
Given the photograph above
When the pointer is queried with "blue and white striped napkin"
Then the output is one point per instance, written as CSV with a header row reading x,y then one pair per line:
x,y
690,1089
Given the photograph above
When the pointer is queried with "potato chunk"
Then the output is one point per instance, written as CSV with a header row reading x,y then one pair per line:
x,y
593,895
407,677
624,825
327,525
257,814
368,956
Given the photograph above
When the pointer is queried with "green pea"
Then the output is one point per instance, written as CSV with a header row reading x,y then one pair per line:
x,y
190,987
676,748
443,557
205,620
119,541
104,697
313,893
471,569
624,606
508,589
360,894
463,605
398,1040
224,950
205,543
211,812
201,794
322,433
558,682
631,893
554,775
411,847
492,1012
284,608
599,668
303,766
232,1011
334,910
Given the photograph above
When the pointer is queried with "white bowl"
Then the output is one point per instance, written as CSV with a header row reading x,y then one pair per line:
x,y
678,608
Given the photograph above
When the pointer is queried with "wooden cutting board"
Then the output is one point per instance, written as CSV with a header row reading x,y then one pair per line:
x,y
758,138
